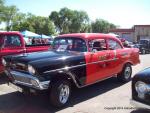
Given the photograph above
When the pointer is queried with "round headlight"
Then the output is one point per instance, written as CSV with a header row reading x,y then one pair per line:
x,y
4,62
141,87
31,69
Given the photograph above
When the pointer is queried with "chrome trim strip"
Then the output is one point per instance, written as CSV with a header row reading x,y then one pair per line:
x,y
139,104
78,86
16,73
22,83
67,68
39,87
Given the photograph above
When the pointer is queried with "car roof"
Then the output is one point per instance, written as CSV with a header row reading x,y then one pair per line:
x,y
11,32
88,35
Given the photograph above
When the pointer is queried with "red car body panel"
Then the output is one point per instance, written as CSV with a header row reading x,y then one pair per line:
x,y
106,63
11,50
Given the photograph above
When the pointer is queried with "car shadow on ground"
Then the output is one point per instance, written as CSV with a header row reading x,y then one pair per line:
x,y
3,78
141,111
18,103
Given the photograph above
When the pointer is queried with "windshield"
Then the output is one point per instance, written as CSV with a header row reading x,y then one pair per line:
x,y
70,44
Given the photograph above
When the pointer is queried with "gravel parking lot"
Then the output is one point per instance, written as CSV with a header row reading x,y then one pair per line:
x,y
108,96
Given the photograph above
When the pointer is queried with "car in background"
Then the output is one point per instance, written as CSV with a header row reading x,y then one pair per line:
x,y
141,89
144,46
14,43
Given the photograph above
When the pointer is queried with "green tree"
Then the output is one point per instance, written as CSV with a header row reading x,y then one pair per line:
x,y
62,19
69,21
80,21
9,13
56,19
2,7
19,22
48,27
102,26
37,24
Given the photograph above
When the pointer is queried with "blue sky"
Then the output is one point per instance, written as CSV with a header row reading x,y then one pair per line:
x,y
124,13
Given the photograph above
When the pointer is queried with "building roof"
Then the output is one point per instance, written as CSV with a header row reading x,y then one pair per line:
x,y
128,30
141,25
121,30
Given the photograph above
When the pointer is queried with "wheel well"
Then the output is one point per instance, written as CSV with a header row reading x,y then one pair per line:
x,y
62,76
124,66
128,63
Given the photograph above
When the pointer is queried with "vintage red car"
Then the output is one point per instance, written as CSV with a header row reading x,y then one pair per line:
x,y
81,59
13,43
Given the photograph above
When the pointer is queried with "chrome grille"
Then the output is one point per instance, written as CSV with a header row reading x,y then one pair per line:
x,y
21,78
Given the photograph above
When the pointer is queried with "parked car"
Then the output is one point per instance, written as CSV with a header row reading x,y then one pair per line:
x,y
141,89
130,45
81,59
13,43
144,46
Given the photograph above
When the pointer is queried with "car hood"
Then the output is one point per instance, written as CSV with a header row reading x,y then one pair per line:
x,y
29,57
143,75
49,60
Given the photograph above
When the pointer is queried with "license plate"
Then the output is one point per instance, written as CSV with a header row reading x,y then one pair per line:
x,y
15,87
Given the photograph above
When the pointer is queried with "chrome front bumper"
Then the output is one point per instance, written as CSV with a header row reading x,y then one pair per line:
x,y
139,104
27,80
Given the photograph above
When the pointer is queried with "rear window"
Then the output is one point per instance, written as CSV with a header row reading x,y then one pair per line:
x,y
12,41
97,45
113,45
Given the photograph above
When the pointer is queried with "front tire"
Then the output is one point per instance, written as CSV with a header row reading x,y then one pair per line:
x,y
60,93
125,74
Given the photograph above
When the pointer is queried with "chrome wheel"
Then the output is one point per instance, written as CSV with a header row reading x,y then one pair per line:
x,y
60,92
143,51
64,94
127,72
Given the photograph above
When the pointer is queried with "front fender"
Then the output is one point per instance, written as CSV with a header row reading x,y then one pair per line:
x,y
64,74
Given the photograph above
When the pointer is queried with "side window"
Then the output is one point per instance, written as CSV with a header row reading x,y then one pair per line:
x,y
79,45
12,41
112,44
98,45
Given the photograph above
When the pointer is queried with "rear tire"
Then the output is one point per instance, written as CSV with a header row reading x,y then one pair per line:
x,y
143,51
60,93
125,74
